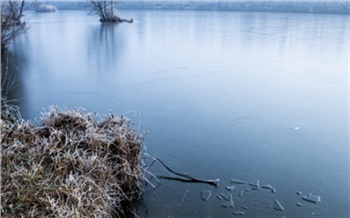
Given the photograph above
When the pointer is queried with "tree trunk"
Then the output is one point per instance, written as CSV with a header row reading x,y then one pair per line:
x,y
111,2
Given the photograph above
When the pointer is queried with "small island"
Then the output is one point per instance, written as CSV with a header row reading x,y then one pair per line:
x,y
41,8
106,10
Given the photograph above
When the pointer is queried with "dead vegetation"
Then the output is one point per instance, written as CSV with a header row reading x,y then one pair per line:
x,y
71,164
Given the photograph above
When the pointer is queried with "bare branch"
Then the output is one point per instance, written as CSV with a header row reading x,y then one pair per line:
x,y
214,182
105,10
11,24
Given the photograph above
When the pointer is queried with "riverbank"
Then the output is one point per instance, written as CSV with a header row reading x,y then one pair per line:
x,y
70,164
336,7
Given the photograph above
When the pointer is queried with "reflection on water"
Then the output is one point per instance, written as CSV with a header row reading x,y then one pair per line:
x,y
105,46
248,96
11,82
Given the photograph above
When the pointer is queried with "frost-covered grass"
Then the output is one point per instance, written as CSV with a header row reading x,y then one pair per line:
x,y
70,164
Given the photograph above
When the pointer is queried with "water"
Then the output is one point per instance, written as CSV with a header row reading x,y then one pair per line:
x,y
249,96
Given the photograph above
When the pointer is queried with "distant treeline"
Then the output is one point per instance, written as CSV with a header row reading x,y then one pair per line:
x,y
339,7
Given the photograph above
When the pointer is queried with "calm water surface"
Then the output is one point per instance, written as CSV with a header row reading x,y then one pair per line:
x,y
251,96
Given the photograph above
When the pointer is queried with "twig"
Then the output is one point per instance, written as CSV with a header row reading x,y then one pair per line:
x,y
214,182
183,198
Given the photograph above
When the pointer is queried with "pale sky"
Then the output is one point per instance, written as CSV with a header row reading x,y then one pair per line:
x,y
214,0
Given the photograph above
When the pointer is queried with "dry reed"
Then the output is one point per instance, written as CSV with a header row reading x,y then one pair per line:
x,y
70,164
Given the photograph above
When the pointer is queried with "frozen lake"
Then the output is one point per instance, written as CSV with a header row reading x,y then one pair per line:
x,y
250,96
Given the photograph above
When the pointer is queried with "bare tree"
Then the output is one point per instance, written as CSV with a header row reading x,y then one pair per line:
x,y
11,24
106,10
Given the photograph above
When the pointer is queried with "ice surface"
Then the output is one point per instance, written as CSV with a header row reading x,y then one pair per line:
x,y
278,206
205,194
312,198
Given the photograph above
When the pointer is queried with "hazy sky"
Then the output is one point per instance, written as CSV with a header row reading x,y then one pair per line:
x,y
218,0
